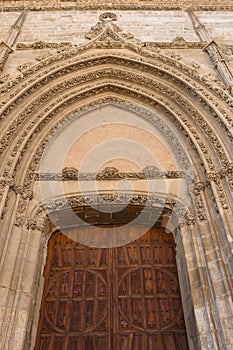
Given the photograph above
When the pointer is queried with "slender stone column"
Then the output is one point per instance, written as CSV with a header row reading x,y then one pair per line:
x,y
214,51
6,48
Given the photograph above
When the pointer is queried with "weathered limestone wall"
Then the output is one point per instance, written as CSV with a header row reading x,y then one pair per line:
x,y
159,62
43,32
71,25
161,26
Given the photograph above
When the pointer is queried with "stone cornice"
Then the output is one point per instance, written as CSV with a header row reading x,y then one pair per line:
x,y
213,5
175,44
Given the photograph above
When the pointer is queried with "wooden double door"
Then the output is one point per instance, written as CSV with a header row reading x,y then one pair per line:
x,y
124,298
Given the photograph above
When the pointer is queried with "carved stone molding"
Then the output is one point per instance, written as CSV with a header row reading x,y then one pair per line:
x,y
110,173
35,161
215,178
5,51
177,43
6,180
36,76
176,97
214,52
132,63
139,48
33,225
117,198
41,45
24,192
121,5
168,205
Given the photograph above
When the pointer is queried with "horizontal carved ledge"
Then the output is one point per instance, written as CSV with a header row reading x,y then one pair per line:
x,y
109,174
41,45
116,199
123,5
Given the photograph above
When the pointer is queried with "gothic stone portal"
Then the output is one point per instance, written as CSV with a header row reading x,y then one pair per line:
x,y
112,298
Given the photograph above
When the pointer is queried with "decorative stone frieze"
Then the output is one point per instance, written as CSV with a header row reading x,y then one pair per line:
x,y
76,201
177,43
110,173
41,45
121,5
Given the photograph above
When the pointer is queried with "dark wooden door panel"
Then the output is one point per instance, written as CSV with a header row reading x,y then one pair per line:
x,y
124,298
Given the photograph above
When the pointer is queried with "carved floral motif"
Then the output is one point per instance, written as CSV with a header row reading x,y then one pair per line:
x,y
109,35
109,173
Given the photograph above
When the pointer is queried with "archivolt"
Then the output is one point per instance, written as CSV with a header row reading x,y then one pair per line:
x,y
53,89
48,95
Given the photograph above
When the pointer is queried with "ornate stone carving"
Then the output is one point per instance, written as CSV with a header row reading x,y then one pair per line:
x,y
41,45
24,192
118,198
228,53
164,67
110,173
69,174
122,5
23,67
144,52
6,180
107,31
190,219
6,47
34,225
198,188
214,51
34,162
177,97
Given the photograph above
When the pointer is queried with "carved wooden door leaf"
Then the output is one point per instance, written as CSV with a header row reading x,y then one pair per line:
x,y
124,298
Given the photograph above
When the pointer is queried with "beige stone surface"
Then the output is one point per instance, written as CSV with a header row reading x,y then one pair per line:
x,y
117,102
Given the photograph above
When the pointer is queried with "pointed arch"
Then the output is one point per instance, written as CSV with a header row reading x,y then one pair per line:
x,y
47,95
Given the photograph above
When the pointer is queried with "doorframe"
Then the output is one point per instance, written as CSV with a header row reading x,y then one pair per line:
x,y
186,259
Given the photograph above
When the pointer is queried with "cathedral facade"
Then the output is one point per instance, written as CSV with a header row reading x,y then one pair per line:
x,y
116,175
